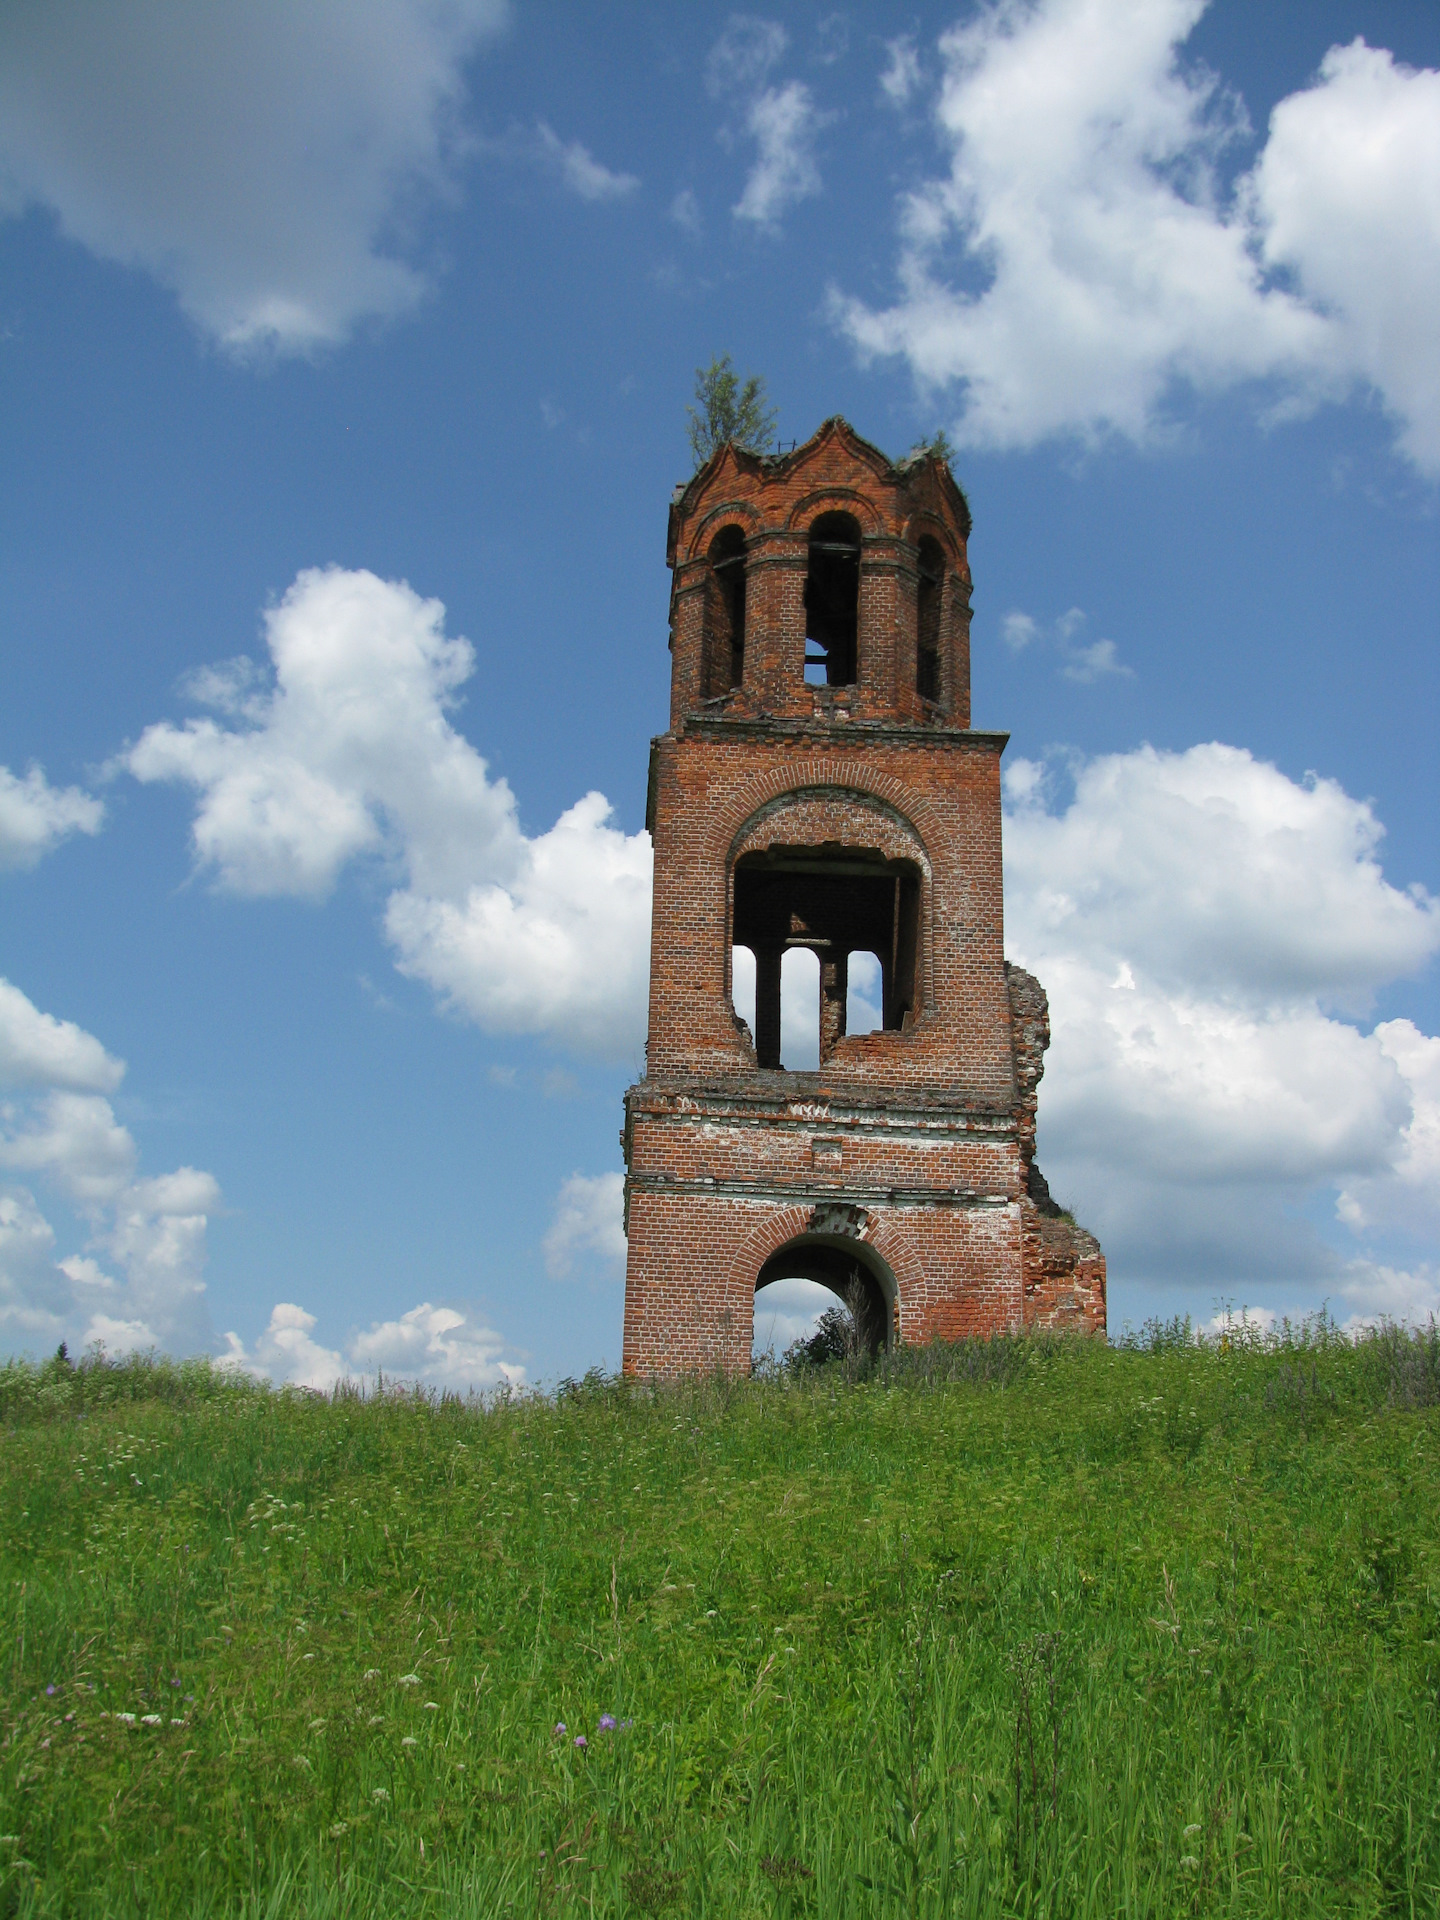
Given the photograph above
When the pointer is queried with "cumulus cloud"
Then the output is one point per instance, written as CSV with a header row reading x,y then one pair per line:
x,y
261,161
580,171
434,1346
34,816
781,120
57,1126
1081,261
1346,195
588,1219
1203,924
347,748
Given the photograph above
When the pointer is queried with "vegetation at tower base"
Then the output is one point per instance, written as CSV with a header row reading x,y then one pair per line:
x,y
1011,1627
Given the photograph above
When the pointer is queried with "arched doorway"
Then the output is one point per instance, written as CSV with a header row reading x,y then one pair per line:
x,y
850,1269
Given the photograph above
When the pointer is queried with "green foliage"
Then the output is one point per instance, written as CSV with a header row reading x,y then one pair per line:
x,y
938,443
1007,1628
728,410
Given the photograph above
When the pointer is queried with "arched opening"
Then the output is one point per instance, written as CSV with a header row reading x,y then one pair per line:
x,y
850,1270
725,613
830,903
832,601
927,632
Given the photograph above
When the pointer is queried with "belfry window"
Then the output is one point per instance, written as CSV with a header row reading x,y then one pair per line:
x,y
834,902
832,601
725,613
927,631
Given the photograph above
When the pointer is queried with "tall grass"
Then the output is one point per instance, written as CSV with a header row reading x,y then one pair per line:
x,y
1016,1627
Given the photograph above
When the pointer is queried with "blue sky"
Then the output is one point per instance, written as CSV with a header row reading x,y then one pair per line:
x,y
321,989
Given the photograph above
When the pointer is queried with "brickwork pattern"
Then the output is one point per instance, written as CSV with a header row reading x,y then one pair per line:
x,y
913,1148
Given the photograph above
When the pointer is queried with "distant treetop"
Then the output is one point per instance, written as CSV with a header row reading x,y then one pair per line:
x,y
726,410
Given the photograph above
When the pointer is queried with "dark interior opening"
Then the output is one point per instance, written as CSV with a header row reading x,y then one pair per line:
x,y
839,1268
832,601
838,901
927,634
725,613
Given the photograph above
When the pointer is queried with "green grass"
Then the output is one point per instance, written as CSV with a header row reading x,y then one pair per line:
x,y
1016,1628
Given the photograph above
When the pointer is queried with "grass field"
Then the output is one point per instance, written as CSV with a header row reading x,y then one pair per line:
x,y
1017,1628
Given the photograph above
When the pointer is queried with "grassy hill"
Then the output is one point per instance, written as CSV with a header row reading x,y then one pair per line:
x,y
1012,1628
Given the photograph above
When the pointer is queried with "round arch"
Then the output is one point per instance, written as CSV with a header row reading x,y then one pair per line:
x,y
852,1269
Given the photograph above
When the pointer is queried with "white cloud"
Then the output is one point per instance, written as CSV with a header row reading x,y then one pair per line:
x,y
36,1049
1084,664
589,1212
260,160
34,816
285,1352
435,1346
901,78
783,123
56,1125
580,171
1201,922
352,752
685,212
1079,262
1347,195
743,55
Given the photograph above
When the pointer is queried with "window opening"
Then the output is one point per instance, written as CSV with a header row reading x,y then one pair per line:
x,y
833,903
832,601
865,1001
927,634
725,613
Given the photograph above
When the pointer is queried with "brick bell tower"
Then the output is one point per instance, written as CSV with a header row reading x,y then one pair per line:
x,y
821,787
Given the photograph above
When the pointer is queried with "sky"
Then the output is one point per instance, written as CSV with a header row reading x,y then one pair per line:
x,y
344,361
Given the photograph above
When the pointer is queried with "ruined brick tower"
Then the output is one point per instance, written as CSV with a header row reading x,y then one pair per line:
x,y
821,787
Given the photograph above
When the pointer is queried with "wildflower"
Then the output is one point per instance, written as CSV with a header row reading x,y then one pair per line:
x,y
432,1706
152,1719
560,1728
379,1793
372,1673
1193,1828
608,1723
316,1725
50,1691
177,1723
409,1741
581,1742
377,1720
408,1680
625,1725
1189,1862
340,1826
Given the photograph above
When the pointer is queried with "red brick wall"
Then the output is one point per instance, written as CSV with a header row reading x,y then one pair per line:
x,y
924,1136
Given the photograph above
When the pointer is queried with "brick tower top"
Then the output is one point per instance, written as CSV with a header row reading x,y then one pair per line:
x,y
829,583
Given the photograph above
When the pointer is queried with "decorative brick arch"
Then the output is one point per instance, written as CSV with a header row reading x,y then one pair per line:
x,y
924,523
732,818
784,820
836,500
728,513
885,1236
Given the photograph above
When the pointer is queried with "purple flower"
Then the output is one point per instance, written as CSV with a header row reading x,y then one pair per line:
x,y
50,1690
581,1741
560,1728
608,1723
625,1725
